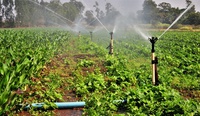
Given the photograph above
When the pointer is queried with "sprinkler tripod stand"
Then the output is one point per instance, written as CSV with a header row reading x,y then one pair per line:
x,y
154,61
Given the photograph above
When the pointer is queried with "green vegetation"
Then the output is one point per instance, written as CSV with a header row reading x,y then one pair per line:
x,y
45,65
24,54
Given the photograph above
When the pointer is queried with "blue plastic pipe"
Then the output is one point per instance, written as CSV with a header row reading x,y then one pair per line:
x,y
60,105
65,105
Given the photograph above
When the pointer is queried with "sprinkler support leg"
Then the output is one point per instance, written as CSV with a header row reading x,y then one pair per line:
x,y
156,72
153,68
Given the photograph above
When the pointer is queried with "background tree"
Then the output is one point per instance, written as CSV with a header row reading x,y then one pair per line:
x,y
1,15
149,13
90,19
192,19
111,14
70,11
99,13
43,3
41,13
192,10
24,13
167,14
191,16
108,8
9,15
164,14
97,9
78,5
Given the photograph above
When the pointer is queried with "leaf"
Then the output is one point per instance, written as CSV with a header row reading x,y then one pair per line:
x,y
5,68
21,78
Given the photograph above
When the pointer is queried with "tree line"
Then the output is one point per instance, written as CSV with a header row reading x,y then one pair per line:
x,y
165,13
29,13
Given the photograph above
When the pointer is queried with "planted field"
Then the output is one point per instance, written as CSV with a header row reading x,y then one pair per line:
x,y
47,66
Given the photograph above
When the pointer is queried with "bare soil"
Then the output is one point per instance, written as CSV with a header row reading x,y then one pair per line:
x,y
64,65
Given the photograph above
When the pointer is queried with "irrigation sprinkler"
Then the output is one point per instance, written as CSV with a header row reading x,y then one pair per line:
x,y
79,34
91,35
111,43
154,61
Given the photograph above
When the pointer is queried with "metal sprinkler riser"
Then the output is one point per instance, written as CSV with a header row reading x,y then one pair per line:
x,y
154,61
79,34
111,43
91,34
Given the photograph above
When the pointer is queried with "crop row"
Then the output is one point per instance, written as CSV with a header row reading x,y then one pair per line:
x,y
118,84
128,77
23,55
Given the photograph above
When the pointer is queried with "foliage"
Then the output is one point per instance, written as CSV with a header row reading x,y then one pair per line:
x,y
178,68
118,84
46,14
23,55
180,57
158,100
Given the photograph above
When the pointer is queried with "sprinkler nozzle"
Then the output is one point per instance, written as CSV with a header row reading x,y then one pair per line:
x,y
153,40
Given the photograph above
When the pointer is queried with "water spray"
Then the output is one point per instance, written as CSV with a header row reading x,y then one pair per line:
x,y
60,17
96,18
188,8
111,43
91,35
154,61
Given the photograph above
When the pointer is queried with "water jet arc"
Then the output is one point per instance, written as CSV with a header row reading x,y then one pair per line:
x,y
97,18
188,8
58,15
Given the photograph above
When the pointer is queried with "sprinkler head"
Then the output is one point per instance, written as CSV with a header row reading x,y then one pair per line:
x,y
90,32
153,40
111,33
